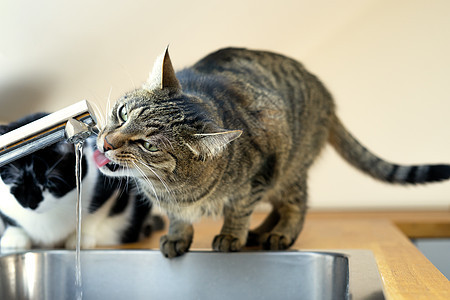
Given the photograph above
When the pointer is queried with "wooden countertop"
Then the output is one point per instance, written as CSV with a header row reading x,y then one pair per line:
x,y
406,273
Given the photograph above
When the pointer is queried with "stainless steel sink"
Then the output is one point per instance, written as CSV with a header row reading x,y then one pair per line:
x,y
146,274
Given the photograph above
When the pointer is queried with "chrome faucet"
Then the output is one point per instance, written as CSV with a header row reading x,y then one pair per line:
x,y
74,123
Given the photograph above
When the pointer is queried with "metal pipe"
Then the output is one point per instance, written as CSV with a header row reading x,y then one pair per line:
x,y
72,123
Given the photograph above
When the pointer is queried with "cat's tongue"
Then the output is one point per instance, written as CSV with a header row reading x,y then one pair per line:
x,y
100,159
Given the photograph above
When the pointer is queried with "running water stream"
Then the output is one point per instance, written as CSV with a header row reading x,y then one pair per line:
x,y
78,281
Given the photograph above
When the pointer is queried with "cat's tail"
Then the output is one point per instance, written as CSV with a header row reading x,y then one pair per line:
x,y
360,157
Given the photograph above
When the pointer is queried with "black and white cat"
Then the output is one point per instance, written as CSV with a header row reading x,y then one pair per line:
x,y
38,200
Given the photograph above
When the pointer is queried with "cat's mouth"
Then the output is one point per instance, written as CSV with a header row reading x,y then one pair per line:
x,y
102,161
113,167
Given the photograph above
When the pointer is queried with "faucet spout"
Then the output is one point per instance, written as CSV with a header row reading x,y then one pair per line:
x,y
73,123
77,131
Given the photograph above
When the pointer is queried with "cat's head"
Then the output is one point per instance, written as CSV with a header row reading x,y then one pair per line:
x,y
50,171
160,132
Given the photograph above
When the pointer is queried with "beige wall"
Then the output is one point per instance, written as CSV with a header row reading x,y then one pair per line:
x,y
386,62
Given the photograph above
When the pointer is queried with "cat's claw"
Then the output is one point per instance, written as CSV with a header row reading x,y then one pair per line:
x,y
227,243
174,246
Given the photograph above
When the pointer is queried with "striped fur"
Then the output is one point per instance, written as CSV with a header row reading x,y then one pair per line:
x,y
360,157
237,128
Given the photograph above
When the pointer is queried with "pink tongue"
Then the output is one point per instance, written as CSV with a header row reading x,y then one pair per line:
x,y
100,159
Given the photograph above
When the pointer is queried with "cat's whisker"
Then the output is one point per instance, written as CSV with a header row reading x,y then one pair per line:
x,y
110,182
108,103
14,167
58,177
100,117
129,178
148,181
136,183
54,165
120,183
160,179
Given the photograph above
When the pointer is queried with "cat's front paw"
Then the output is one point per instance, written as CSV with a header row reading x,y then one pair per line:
x,y
87,241
275,241
226,243
172,246
15,238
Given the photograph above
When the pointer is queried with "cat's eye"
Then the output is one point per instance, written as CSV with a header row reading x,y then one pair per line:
x,y
150,147
123,113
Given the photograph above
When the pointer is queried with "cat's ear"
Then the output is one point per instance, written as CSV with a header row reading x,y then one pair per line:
x,y
211,144
163,74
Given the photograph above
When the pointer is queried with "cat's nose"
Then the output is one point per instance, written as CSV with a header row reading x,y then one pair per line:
x,y
106,145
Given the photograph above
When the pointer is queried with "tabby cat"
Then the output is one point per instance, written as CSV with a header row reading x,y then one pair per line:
x,y
237,128
38,198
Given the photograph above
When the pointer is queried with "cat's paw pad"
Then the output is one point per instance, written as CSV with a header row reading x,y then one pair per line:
x,y
87,241
14,239
174,246
275,241
226,243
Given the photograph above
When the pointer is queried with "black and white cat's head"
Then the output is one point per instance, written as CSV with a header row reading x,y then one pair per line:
x,y
47,173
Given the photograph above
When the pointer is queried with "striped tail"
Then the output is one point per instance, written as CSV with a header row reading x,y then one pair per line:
x,y
361,158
